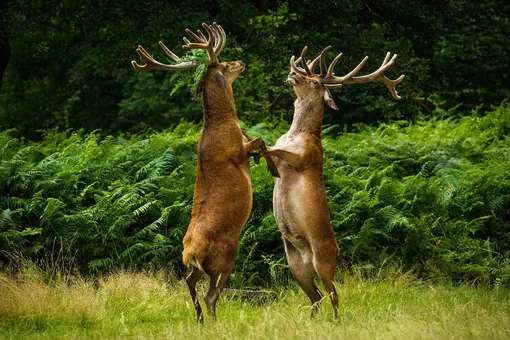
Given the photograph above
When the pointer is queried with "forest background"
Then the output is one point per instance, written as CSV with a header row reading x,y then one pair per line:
x,y
97,161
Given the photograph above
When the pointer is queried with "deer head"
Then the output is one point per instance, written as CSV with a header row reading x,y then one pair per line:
x,y
307,84
220,74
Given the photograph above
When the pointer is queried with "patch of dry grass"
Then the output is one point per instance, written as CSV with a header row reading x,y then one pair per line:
x,y
155,305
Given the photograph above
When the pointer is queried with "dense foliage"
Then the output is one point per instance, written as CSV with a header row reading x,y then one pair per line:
x,y
70,60
431,195
97,161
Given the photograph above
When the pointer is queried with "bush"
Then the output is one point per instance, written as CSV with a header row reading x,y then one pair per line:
x,y
432,195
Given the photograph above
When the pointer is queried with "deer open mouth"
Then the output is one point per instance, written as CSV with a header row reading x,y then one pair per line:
x,y
291,79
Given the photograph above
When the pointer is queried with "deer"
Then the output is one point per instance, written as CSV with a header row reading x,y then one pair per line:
x,y
299,197
222,198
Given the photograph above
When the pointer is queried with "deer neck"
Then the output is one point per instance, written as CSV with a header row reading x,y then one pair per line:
x,y
218,104
307,116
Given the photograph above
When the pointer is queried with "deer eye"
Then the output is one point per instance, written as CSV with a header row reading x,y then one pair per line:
x,y
315,82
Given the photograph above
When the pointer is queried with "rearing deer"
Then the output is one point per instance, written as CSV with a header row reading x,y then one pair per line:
x,y
222,200
299,198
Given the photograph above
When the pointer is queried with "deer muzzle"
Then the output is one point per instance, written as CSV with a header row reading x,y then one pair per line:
x,y
238,67
292,78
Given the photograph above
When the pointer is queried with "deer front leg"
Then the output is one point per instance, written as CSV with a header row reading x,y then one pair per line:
x,y
254,147
291,157
254,154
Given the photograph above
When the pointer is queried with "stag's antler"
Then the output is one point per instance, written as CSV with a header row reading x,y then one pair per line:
x,y
331,81
214,44
151,63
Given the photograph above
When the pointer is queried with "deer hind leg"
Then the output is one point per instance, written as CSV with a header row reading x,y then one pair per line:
x,y
304,273
216,285
325,263
191,280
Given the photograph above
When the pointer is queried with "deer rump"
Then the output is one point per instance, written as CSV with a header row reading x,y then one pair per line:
x,y
222,199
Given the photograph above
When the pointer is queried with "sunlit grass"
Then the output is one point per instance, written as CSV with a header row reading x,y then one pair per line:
x,y
156,305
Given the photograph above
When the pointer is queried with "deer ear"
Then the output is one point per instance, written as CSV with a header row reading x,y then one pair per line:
x,y
199,89
221,79
328,98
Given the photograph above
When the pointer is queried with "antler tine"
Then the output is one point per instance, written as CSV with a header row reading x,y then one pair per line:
x,y
219,38
388,57
303,61
377,73
222,38
216,38
202,44
308,66
201,35
194,36
294,67
169,53
210,48
323,61
351,74
391,85
312,64
151,63
144,56
333,79
331,67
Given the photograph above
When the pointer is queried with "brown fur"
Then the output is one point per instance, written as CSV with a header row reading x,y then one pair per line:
x,y
299,201
222,200
300,204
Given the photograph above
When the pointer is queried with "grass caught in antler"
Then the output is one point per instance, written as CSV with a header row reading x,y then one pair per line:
x,y
156,305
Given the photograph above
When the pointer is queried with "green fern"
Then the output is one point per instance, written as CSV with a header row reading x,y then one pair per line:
x,y
190,78
432,195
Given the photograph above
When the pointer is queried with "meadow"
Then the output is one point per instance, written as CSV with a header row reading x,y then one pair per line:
x,y
89,228
155,304
98,166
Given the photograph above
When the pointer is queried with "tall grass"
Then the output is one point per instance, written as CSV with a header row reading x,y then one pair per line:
x,y
154,304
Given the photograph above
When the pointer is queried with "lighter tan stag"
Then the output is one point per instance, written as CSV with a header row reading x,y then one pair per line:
x,y
222,200
299,198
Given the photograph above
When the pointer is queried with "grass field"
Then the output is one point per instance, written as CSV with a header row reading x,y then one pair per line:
x,y
154,305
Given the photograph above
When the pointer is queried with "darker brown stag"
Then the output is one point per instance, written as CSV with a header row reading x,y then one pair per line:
x,y
299,198
222,200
